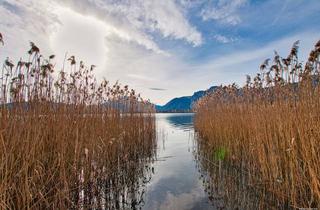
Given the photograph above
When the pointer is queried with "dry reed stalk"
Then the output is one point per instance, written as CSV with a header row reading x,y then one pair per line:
x,y
68,142
270,128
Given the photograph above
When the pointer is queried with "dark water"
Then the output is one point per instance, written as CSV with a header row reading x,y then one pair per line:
x,y
176,182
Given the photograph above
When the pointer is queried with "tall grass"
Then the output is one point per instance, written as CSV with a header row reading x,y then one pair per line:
x,y
269,129
69,142
226,188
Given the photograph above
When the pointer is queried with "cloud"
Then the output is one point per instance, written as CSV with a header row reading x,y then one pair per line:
x,y
223,39
140,77
25,21
158,89
138,20
134,21
223,11
165,16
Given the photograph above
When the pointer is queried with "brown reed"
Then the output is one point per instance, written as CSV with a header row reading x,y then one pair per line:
x,y
69,142
269,129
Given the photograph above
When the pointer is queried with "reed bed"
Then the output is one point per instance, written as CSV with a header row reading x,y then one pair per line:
x,y
69,142
268,130
227,187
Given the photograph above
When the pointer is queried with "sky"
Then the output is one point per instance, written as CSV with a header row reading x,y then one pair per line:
x,y
161,48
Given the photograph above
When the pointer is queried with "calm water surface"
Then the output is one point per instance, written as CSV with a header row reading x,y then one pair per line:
x,y
176,183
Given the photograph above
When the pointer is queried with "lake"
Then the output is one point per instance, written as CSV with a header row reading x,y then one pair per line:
x,y
176,183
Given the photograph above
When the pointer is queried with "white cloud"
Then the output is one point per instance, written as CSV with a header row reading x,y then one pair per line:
x,y
25,21
223,39
81,36
140,18
165,16
133,21
224,11
117,16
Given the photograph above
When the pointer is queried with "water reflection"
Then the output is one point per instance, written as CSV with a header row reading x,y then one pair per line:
x,y
229,186
182,121
176,183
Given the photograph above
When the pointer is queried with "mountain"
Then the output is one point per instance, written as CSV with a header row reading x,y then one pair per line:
x,y
184,103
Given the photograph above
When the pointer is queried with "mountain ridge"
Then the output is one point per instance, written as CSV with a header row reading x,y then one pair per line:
x,y
183,103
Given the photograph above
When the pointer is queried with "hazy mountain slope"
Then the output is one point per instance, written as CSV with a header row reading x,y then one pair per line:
x,y
184,103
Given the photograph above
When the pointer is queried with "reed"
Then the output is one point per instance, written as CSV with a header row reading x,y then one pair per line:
x,y
269,129
69,142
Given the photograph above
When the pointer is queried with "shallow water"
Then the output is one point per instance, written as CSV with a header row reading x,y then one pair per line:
x,y
176,183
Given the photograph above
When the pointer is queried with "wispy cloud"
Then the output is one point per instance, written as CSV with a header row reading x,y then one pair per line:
x,y
140,77
223,11
158,89
140,18
133,21
223,39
